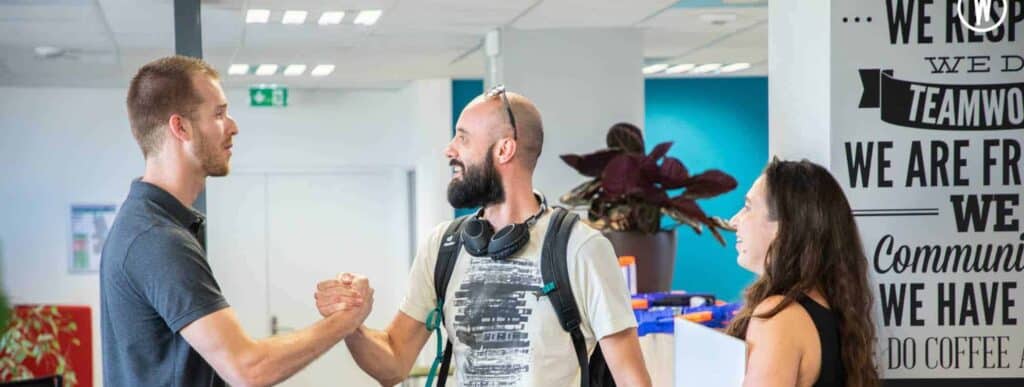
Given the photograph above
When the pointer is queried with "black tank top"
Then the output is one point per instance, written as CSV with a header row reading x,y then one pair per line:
x,y
832,372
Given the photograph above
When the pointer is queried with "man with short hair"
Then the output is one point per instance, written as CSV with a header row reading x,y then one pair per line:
x,y
504,329
164,319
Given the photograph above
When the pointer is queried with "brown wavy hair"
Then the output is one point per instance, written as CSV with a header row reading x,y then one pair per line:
x,y
817,247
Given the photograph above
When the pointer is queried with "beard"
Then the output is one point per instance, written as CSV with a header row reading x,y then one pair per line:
x,y
208,156
480,185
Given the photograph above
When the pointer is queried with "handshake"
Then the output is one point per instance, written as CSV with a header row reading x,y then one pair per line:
x,y
348,294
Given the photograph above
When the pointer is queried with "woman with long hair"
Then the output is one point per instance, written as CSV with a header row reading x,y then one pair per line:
x,y
807,318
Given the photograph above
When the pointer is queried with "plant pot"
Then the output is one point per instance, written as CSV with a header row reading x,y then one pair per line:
x,y
655,257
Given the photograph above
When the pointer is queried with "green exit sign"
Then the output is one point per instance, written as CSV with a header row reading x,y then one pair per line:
x,y
268,95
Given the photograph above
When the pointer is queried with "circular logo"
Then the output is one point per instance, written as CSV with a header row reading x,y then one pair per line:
x,y
982,12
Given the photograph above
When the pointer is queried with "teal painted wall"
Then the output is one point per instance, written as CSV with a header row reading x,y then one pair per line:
x,y
714,123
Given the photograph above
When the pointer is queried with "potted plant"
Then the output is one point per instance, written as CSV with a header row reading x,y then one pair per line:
x,y
627,193
30,345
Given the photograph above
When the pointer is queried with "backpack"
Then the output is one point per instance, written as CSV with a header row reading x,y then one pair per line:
x,y
555,274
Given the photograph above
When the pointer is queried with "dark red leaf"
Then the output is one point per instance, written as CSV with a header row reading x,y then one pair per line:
x,y
689,208
659,151
593,164
709,184
620,177
649,168
718,235
627,137
673,173
656,196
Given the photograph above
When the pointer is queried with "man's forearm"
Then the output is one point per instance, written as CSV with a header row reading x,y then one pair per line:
x,y
374,352
272,360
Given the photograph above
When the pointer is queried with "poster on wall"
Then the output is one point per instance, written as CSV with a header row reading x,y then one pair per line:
x,y
927,139
89,227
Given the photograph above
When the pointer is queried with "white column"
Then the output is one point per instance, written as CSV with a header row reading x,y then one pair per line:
x,y
799,64
430,122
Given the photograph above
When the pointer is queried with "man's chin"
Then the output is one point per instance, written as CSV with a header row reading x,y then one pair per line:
x,y
219,171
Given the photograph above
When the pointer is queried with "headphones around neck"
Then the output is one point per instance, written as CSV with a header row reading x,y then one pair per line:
x,y
480,240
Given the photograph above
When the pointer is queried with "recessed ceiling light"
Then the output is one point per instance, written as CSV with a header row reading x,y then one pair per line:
x,y
680,68
322,70
735,67
707,68
238,69
257,16
331,17
368,17
294,17
655,68
294,70
266,69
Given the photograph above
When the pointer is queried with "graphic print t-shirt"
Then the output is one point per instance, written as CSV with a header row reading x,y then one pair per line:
x,y
504,330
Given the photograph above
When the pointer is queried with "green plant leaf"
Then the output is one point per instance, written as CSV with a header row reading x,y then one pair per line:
x,y
12,347
53,309
72,326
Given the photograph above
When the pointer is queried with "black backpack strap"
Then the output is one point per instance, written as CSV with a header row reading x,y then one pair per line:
x,y
555,273
442,376
447,256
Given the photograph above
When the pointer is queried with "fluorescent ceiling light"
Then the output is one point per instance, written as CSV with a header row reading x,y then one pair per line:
x,y
707,68
735,67
368,17
257,16
294,70
266,69
322,70
238,69
655,68
294,17
680,68
331,17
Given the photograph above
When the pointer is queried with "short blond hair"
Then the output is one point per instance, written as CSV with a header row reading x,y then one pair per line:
x,y
160,89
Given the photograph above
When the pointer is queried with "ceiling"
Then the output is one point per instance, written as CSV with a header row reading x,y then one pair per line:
x,y
101,42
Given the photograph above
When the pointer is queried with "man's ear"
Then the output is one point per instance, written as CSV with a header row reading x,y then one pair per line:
x,y
179,127
506,150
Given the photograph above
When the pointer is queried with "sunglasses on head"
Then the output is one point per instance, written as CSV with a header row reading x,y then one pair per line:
x,y
499,90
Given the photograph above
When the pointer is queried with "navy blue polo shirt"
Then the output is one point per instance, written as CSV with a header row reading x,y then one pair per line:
x,y
154,281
